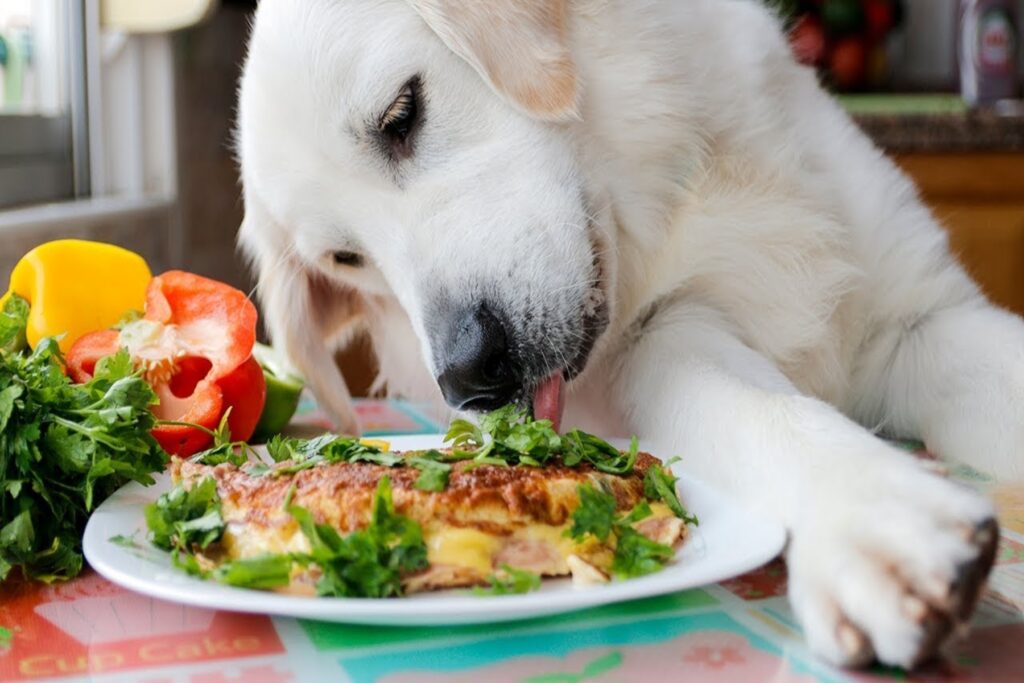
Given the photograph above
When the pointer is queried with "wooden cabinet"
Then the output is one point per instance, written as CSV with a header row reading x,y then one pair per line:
x,y
979,198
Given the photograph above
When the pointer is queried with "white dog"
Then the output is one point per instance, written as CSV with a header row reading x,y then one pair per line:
x,y
650,205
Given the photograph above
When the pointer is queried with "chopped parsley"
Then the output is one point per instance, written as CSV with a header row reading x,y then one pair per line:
x,y
263,572
508,436
660,484
433,472
583,447
186,518
123,541
367,563
328,448
505,436
510,581
595,515
370,562
635,554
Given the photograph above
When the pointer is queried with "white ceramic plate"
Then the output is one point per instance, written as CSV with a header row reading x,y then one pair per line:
x,y
729,541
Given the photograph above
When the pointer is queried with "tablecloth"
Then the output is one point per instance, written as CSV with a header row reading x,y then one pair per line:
x,y
739,630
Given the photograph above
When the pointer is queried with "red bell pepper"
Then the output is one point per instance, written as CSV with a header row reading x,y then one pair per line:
x,y
194,345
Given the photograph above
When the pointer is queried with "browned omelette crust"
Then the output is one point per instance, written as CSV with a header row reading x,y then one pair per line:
x,y
490,498
488,516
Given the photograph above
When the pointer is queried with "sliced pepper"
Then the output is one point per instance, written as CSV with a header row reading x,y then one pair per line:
x,y
194,345
74,287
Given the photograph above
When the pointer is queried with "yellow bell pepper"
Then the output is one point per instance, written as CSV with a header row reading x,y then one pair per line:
x,y
74,287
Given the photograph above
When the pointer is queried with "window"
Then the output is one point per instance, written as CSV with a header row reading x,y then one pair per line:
x,y
43,117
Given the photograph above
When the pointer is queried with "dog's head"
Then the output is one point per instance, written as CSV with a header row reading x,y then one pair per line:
x,y
423,150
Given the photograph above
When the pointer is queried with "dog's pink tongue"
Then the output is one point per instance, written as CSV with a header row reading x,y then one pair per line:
x,y
549,399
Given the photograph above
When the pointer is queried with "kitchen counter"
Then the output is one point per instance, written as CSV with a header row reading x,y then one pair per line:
x,y
935,123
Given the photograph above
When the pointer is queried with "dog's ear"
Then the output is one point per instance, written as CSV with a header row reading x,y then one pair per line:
x,y
307,316
519,46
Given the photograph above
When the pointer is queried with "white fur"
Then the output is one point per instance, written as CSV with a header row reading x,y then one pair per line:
x,y
800,286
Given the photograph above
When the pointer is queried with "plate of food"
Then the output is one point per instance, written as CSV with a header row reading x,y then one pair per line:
x,y
493,522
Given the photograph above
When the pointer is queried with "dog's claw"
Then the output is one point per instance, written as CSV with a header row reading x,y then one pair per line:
x,y
936,627
971,575
938,623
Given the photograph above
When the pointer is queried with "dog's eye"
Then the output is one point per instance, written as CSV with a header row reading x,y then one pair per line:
x,y
347,258
400,118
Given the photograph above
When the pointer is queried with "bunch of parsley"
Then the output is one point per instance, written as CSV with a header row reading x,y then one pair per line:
x,y
64,448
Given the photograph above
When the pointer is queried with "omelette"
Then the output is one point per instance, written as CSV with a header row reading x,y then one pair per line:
x,y
488,519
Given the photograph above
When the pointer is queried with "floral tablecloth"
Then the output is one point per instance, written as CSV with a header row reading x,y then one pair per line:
x,y
740,630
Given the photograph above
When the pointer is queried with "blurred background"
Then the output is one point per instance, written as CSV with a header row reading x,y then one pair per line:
x,y
116,119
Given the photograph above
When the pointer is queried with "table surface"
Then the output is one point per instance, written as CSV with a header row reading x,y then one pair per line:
x,y
739,630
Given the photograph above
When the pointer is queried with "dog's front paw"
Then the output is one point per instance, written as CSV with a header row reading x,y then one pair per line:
x,y
890,567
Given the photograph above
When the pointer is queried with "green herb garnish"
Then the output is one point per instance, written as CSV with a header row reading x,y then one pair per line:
x,y
505,437
583,447
123,541
327,448
595,515
635,554
64,448
186,518
433,472
263,572
366,563
508,436
660,484
510,581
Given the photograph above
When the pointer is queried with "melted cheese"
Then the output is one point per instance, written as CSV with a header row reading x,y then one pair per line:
x,y
660,510
479,551
468,548
242,541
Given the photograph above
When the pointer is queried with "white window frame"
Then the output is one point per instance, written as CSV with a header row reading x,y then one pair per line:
x,y
124,119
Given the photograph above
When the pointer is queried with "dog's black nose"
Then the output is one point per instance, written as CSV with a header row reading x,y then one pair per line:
x,y
477,371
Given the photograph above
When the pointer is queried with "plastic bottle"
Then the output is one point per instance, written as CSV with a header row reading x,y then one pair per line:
x,y
989,41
